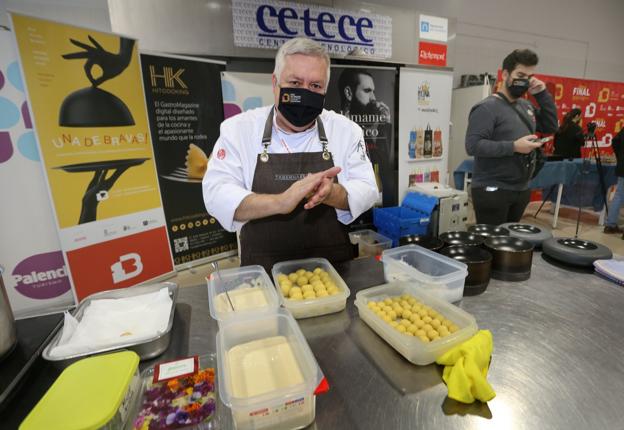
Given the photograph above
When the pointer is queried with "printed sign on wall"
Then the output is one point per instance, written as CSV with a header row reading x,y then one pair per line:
x,y
424,120
365,95
261,24
185,109
432,54
86,96
433,28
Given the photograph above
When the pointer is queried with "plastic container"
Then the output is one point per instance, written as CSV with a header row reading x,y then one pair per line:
x,y
235,281
93,393
411,218
290,407
312,307
370,243
413,349
146,383
438,274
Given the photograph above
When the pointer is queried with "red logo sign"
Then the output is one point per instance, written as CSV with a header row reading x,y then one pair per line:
x,y
433,54
221,154
121,262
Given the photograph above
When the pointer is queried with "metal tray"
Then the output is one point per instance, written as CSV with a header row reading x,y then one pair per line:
x,y
146,349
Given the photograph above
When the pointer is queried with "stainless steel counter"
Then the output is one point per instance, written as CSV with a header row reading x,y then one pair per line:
x,y
558,360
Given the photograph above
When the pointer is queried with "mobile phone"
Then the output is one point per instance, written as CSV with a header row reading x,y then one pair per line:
x,y
542,140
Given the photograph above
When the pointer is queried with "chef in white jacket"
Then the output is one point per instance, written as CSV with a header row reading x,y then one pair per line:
x,y
290,177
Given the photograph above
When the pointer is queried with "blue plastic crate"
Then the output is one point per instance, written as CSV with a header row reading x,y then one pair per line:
x,y
412,217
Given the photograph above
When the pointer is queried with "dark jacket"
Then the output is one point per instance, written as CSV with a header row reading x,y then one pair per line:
x,y
618,147
568,143
493,126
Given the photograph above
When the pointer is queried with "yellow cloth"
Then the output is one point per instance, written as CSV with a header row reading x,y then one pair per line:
x,y
466,367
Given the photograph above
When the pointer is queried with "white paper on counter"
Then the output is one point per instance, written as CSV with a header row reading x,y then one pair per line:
x,y
109,322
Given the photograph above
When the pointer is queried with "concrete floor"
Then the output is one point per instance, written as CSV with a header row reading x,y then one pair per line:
x,y
566,227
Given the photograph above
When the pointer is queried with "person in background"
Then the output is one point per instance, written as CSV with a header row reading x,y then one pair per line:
x,y
569,139
290,177
611,225
501,130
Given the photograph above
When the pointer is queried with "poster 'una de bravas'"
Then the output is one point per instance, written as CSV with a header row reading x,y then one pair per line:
x,y
86,96
185,108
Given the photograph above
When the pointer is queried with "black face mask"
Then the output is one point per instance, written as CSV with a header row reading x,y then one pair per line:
x,y
518,87
300,106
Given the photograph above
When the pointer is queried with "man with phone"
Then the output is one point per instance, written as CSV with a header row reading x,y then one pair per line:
x,y
501,136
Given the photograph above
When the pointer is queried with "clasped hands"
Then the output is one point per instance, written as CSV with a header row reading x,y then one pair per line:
x,y
316,188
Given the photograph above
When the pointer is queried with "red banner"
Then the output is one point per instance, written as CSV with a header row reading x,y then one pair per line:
x,y
601,102
433,54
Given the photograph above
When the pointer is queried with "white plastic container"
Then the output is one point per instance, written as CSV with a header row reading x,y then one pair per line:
x,y
370,243
312,307
291,407
438,274
412,348
235,280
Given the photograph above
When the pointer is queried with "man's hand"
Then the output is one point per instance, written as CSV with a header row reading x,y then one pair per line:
x,y
315,184
536,86
383,109
525,144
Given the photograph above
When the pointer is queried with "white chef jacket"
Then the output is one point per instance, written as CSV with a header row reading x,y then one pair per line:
x,y
232,165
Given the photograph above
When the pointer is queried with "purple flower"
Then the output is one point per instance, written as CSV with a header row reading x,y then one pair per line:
x,y
171,418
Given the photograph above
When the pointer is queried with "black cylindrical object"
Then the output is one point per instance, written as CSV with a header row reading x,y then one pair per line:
x,y
479,262
511,258
461,238
488,230
529,232
428,242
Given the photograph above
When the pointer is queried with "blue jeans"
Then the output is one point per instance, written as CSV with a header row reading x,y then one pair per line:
x,y
616,203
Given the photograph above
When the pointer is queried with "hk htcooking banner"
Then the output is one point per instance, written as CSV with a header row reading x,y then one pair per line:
x,y
88,105
366,96
185,109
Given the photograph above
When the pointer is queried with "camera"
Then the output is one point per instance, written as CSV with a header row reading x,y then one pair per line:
x,y
591,127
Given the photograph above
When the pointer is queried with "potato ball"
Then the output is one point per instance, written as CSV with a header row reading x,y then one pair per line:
x,y
420,332
318,287
419,323
427,327
322,293
302,280
309,295
317,271
424,339
295,290
332,291
300,272
281,277
371,304
293,277
407,313
388,301
401,328
307,287
405,323
285,289
314,279
427,319
296,296
435,323
393,324
412,329
392,314
308,274
453,328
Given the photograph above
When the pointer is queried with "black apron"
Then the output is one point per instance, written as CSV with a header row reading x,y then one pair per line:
x,y
301,233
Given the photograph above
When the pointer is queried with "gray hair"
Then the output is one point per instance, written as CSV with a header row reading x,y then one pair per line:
x,y
300,45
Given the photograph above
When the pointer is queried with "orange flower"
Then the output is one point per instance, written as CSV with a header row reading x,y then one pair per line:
x,y
173,384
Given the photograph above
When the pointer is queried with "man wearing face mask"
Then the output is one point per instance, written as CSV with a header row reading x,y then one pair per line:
x,y
501,132
291,176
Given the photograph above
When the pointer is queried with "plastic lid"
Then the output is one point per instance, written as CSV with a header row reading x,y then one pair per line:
x,y
420,202
86,395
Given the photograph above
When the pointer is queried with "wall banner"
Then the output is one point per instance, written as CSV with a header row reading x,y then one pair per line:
x,y
86,96
258,24
424,120
35,275
366,96
185,110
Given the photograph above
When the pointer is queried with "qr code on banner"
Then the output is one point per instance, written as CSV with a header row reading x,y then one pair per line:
x,y
181,244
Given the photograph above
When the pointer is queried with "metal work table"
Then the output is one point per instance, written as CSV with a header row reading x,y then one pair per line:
x,y
557,361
